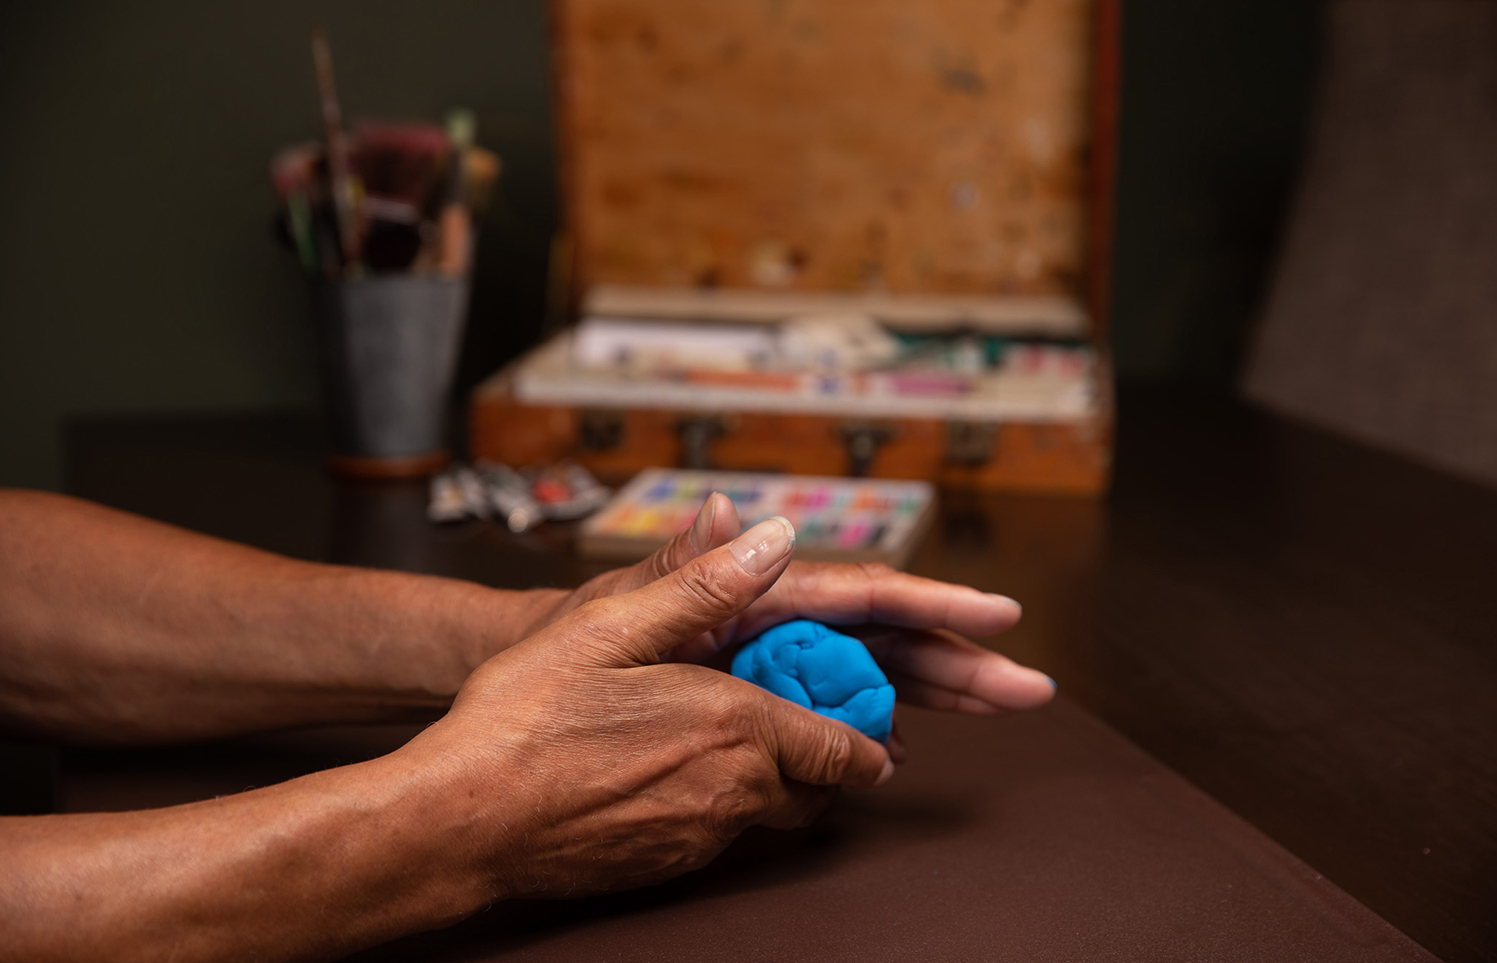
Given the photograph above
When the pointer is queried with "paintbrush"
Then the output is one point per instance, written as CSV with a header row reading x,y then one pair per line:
x,y
341,182
293,173
401,167
480,171
455,221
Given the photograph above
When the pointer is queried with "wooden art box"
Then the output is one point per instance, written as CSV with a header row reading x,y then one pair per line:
x,y
828,237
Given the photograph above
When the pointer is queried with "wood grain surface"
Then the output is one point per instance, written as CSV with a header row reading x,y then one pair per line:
x,y
931,147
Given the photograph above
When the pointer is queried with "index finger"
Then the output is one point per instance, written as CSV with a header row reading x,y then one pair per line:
x,y
813,749
843,594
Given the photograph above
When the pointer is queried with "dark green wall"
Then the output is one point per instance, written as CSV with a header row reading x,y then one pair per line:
x,y
137,271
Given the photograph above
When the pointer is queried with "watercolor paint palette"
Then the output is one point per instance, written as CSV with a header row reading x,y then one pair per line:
x,y
835,519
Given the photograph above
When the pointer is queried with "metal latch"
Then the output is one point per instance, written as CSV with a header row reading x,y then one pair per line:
x,y
862,440
600,430
970,443
697,434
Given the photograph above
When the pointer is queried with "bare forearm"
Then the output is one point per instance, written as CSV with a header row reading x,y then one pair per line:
x,y
314,868
114,628
575,762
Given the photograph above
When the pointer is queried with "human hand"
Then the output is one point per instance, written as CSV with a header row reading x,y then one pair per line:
x,y
915,627
577,761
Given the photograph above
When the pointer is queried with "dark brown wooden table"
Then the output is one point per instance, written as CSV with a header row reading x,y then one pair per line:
x,y
1298,626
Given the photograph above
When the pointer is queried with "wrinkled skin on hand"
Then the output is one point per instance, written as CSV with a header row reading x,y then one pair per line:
x,y
915,627
580,762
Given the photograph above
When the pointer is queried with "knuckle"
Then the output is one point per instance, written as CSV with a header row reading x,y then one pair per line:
x,y
748,711
592,617
837,754
877,571
602,620
656,566
708,592
729,812
663,562
734,717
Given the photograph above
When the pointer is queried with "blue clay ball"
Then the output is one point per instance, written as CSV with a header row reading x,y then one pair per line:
x,y
825,671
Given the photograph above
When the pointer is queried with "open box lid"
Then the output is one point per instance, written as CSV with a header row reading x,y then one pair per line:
x,y
929,163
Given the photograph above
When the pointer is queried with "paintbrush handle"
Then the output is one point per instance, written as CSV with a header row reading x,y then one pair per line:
x,y
343,189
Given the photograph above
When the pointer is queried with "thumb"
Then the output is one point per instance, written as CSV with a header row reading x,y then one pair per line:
x,y
638,627
716,524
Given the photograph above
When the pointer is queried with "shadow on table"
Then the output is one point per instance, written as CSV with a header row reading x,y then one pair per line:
x,y
760,859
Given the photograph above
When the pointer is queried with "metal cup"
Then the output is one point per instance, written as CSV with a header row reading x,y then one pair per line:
x,y
389,347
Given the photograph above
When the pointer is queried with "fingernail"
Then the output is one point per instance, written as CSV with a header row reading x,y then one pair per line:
x,y
764,546
1005,598
887,774
1030,674
701,529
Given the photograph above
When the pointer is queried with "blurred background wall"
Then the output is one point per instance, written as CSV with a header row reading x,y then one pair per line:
x,y
138,272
